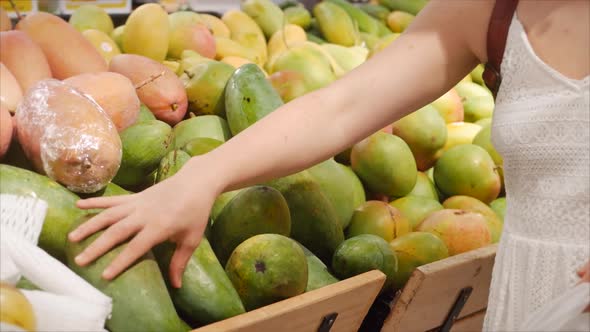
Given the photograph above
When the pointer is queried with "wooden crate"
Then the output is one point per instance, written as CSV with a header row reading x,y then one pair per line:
x,y
433,289
350,299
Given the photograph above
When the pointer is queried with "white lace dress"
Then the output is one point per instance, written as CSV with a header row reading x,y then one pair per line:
x,y
541,128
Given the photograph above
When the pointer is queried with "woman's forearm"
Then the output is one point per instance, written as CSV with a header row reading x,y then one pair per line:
x,y
320,124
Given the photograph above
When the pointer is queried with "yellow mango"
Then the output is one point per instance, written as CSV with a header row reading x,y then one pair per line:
x,y
87,17
347,58
266,13
227,47
309,61
246,32
217,27
398,21
147,32
188,31
336,25
174,66
103,44
237,62
117,36
284,37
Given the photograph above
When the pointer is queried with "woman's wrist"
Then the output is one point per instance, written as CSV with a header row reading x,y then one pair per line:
x,y
212,172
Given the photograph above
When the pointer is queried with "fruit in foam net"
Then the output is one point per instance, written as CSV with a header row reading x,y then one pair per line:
x,y
113,92
68,136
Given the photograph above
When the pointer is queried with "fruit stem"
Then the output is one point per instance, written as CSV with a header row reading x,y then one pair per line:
x,y
149,80
18,14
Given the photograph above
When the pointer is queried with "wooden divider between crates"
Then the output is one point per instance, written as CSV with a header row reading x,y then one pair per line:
x,y
426,301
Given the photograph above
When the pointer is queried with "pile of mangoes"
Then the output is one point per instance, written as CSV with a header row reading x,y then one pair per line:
x,y
102,111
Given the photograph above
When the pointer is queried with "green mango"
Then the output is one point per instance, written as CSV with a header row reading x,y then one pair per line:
x,y
205,88
249,97
145,114
61,205
24,283
318,274
207,295
377,11
409,6
171,164
144,145
221,201
211,126
314,222
308,61
140,299
201,145
341,186
266,14
298,15
366,23
336,25
314,38
255,210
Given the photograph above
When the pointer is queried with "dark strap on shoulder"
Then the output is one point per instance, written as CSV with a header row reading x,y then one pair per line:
x,y
496,43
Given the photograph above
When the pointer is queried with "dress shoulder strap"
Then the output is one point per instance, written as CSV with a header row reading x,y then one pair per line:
x,y
496,42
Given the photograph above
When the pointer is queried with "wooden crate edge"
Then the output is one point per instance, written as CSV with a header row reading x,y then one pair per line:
x,y
302,300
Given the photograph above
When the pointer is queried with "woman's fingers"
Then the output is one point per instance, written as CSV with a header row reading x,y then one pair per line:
x,y
180,259
141,243
99,222
103,202
114,235
584,270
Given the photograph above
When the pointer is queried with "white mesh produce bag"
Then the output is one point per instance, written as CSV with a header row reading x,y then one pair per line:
x,y
66,302
565,313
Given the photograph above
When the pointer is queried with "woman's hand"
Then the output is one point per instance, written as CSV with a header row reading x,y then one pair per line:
x,y
584,274
176,209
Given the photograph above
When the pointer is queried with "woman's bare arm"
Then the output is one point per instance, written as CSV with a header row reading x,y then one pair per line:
x,y
443,44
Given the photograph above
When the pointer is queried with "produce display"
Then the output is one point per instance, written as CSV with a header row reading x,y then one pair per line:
x,y
91,109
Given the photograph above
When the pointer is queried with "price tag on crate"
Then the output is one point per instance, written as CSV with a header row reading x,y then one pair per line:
x,y
23,6
110,6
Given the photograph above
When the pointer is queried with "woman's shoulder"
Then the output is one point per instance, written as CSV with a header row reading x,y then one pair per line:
x,y
470,19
